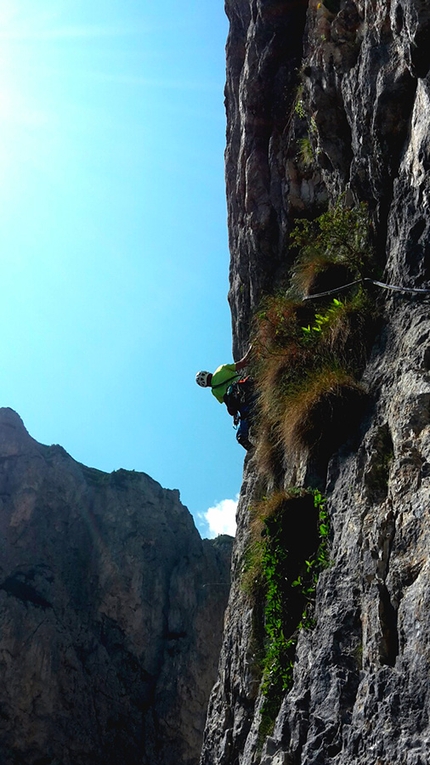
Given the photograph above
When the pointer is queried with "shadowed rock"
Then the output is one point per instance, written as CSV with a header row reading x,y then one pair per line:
x,y
110,625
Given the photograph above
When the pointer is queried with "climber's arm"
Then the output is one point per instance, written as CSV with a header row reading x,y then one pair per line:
x,y
243,362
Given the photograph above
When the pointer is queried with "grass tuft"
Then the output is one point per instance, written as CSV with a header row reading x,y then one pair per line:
x,y
309,355
321,412
288,550
305,153
308,395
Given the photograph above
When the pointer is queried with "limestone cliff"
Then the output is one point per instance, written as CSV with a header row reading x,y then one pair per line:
x,y
352,78
111,610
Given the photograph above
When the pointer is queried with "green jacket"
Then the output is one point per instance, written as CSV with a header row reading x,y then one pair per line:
x,y
224,376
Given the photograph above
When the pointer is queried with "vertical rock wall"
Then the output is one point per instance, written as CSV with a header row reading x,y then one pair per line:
x,y
353,78
111,611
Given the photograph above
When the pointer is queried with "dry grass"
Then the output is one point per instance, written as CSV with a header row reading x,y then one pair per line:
x,y
321,412
307,359
277,323
267,508
268,453
318,274
347,333
262,513
275,377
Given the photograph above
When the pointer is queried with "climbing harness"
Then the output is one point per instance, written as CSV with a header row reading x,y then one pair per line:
x,y
239,399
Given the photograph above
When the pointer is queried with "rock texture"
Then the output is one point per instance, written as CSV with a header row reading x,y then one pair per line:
x,y
353,78
111,610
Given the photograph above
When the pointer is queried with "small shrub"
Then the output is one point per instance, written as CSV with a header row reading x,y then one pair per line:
x,y
277,323
299,107
308,355
343,330
306,153
350,330
307,392
338,241
289,531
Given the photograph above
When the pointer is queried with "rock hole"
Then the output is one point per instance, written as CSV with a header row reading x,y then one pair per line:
x,y
415,246
411,574
324,162
399,19
296,531
175,635
420,51
392,113
389,643
332,5
19,589
334,749
377,476
426,359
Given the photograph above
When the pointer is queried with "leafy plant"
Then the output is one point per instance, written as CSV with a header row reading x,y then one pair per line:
x,y
290,530
339,239
299,107
307,355
323,321
306,153
305,376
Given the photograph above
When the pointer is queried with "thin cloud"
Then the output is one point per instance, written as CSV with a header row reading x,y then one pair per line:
x,y
221,518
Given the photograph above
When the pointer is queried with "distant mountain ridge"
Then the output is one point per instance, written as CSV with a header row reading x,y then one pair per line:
x,y
111,610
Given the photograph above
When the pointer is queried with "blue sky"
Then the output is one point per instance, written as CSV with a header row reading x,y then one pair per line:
x,y
113,237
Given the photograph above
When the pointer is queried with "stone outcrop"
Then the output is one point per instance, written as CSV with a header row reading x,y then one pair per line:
x,y
111,612
353,79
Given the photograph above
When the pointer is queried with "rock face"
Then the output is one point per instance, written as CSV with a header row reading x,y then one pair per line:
x,y
111,610
353,79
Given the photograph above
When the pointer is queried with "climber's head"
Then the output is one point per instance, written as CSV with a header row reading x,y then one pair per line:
x,y
203,379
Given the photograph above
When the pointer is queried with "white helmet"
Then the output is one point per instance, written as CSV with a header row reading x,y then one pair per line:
x,y
202,379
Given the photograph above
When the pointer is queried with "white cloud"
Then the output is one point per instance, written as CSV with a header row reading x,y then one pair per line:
x,y
221,518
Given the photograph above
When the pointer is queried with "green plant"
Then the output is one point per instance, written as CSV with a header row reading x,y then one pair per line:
x,y
323,321
290,531
306,153
299,107
308,355
339,239
305,366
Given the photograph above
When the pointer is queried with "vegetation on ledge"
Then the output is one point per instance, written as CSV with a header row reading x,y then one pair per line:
x,y
309,353
287,552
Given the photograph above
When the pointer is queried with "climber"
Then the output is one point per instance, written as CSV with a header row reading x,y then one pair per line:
x,y
230,388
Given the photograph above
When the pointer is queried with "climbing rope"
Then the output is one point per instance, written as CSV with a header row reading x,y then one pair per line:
x,y
392,287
